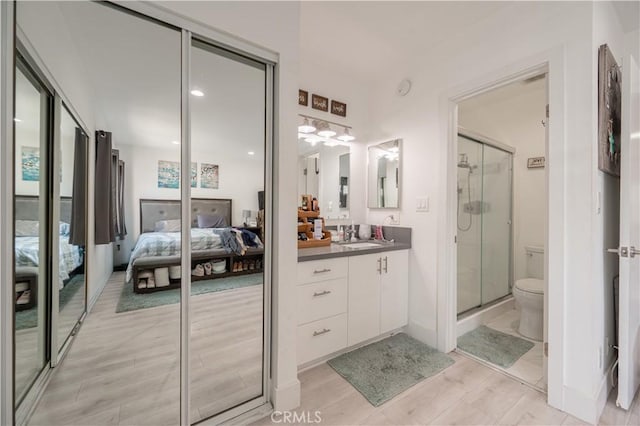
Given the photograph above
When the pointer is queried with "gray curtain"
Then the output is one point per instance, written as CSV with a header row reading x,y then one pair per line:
x,y
121,230
104,226
77,234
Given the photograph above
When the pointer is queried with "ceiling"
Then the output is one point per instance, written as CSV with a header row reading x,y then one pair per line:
x,y
368,39
133,66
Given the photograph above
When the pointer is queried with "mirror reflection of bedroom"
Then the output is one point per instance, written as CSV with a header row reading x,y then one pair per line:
x,y
125,361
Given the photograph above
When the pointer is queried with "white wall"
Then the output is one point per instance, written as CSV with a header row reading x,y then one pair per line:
x,y
515,120
257,22
513,35
45,29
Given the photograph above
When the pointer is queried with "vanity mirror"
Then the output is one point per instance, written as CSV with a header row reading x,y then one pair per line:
x,y
324,172
383,180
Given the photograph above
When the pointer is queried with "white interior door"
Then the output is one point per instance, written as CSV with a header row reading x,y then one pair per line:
x,y
629,315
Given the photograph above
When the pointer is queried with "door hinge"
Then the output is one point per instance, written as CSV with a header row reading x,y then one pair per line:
x,y
547,111
546,349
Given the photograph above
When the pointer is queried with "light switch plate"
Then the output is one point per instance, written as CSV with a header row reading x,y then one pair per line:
x,y
422,204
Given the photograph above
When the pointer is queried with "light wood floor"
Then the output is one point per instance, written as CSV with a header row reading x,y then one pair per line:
x,y
467,393
124,368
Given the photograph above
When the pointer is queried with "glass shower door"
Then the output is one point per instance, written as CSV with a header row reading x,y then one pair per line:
x,y
496,224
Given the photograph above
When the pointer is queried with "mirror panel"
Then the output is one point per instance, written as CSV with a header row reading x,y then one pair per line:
x,y
324,173
32,138
72,230
384,175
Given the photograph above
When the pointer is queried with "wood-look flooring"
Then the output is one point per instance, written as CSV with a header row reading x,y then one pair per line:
x,y
466,393
123,369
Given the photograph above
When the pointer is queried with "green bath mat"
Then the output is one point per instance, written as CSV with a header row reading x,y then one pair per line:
x,y
130,301
384,369
494,346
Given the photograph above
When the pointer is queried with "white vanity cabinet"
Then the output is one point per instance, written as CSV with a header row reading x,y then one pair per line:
x,y
378,294
347,300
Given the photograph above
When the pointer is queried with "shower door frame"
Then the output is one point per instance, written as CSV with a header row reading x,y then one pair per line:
x,y
486,140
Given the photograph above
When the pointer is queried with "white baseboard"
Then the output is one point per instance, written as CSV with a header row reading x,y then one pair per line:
x,y
482,317
581,406
286,397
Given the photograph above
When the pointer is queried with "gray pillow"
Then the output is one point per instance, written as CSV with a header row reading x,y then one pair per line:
x,y
211,221
172,225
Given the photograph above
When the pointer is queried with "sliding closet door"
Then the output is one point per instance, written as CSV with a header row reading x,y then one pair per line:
x,y
33,103
228,115
70,210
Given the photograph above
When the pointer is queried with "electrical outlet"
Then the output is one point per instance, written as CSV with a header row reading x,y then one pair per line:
x,y
394,219
422,204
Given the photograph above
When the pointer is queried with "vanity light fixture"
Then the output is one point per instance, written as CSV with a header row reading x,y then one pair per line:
x,y
198,93
313,139
346,136
325,130
306,127
175,142
330,142
251,153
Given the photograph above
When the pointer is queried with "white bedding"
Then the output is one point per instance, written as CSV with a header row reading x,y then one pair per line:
x,y
27,251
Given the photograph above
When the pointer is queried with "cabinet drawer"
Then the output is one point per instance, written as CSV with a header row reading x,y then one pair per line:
x,y
321,300
322,270
320,338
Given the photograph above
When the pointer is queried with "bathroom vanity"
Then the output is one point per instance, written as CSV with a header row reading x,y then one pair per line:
x,y
348,294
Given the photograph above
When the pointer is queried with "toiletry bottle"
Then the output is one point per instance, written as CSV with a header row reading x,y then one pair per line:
x,y
340,233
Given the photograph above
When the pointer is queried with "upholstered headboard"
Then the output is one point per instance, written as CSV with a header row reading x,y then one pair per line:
x,y
27,208
152,211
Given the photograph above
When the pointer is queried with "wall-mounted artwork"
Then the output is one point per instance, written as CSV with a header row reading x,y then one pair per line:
x,y
209,176
319,102
609,109
338,108
30,163
168,174
194,174
303,97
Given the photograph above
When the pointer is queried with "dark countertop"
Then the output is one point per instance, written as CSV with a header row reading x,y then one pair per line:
x,y
339,250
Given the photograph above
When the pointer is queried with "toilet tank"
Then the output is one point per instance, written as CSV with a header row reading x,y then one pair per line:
x,y
535,262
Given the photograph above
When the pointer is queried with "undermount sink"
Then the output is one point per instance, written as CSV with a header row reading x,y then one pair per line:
x,y
361,245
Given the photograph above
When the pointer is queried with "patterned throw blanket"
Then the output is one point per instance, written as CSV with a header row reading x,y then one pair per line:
x,y
28,249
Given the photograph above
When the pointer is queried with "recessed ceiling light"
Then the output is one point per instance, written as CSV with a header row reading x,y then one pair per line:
x,y
175,142
17,120
198,93
251,153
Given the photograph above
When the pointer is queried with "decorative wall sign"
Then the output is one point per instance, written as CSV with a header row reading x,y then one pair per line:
x,y
303,98
168,174
30,163
338,108
609,109
535,163
319,102
209,176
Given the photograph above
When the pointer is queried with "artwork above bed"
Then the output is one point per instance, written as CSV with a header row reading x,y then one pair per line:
x,y
154,211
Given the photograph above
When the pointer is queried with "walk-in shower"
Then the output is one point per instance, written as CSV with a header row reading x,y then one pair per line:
x,y
484,218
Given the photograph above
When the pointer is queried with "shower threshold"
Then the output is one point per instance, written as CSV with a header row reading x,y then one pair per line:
x,y
469,312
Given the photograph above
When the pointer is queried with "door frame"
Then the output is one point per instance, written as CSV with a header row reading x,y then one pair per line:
x,y
550,62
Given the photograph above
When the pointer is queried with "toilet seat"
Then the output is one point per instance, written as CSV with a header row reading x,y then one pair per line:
x,y
531,285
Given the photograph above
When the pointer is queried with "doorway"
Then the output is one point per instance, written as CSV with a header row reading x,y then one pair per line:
x,y
501,230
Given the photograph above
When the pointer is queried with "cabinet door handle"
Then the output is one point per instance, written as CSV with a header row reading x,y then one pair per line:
x,y
379,266
321,293
385,265
321,271
321,332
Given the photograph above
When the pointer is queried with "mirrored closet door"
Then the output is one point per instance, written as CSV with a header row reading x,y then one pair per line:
x,y
33,139
228,112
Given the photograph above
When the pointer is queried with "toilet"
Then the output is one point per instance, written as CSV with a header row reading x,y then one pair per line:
x,y
529,295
